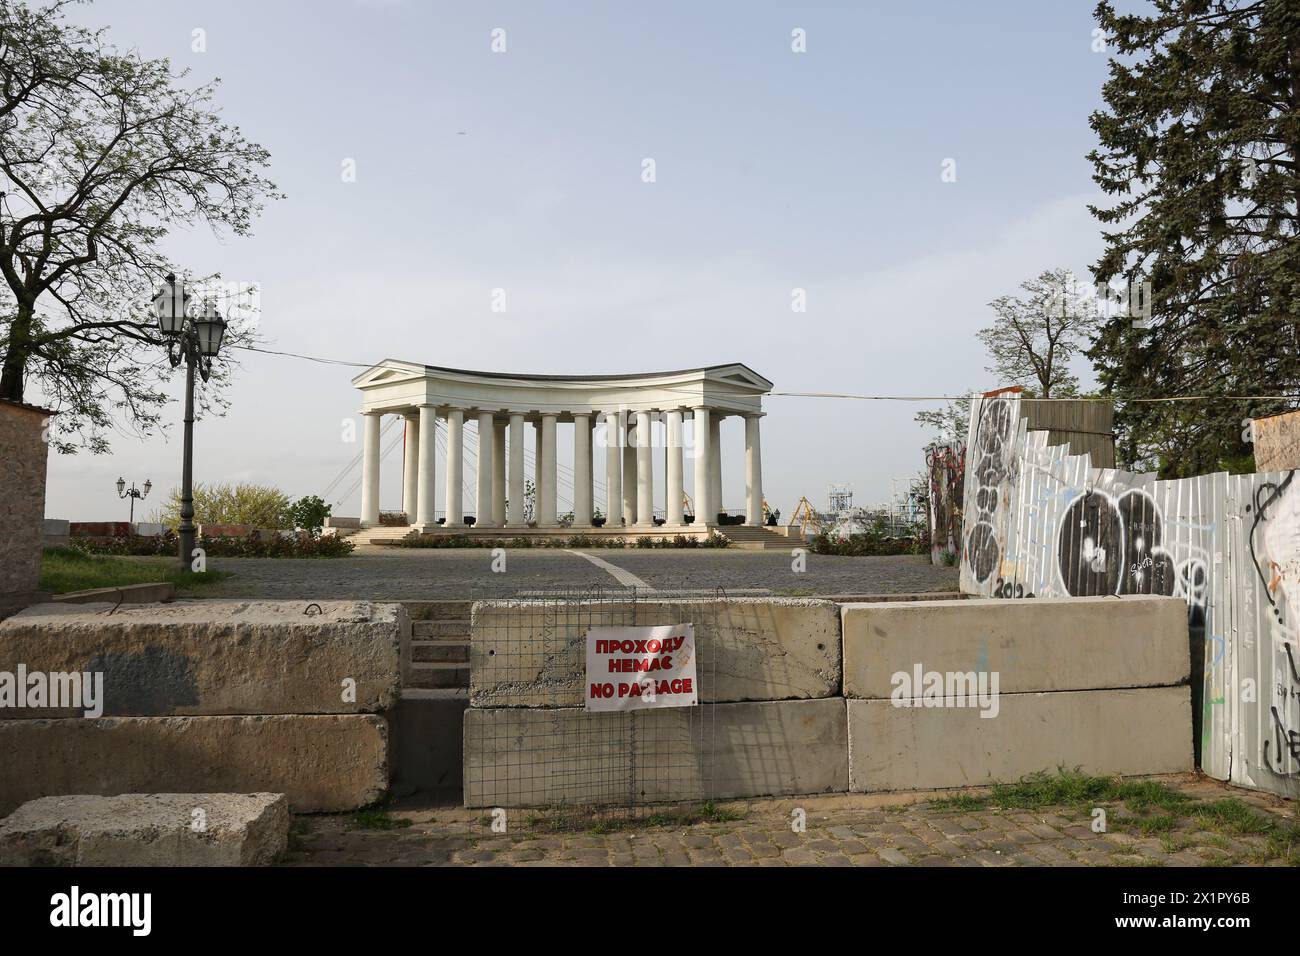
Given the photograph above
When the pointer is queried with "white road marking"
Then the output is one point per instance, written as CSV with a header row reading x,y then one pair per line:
x,y
625,578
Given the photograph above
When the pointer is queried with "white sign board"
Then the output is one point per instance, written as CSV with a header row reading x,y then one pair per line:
x,y
635,668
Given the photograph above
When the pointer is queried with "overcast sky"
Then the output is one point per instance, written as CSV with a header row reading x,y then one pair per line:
x,y
522,171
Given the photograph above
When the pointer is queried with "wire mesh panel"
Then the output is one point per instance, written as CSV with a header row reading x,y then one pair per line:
x,y
531,743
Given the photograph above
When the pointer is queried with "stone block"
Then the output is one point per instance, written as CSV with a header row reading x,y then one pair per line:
x,y
216,657
1126,732
147,829
325,763
532,653
1043,644
517,757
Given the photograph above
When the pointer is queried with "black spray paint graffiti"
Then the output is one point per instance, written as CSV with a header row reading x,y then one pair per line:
x,y
1272,552
1113,546
993,430
1284,739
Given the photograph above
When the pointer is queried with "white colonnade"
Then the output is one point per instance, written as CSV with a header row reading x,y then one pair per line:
x,y
637,433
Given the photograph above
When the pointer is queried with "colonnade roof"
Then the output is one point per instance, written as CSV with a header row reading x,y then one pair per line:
x,y
398,386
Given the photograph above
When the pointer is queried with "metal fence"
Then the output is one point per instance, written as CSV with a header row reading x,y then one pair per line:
x,y
1040,522
530,745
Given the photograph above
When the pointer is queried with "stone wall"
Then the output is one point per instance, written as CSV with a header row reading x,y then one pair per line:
x,y
799,696
23,456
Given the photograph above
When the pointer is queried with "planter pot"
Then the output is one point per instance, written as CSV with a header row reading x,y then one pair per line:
x,y
598,522
469,521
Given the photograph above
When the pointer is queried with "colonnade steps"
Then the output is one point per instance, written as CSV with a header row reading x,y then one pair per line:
x,y
750,538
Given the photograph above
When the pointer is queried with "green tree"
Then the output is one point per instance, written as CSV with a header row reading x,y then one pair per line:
x,y
261,506
309,513
102,152
950,423
1199,146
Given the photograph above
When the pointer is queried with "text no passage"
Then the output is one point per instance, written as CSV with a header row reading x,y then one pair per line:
x,y
631,668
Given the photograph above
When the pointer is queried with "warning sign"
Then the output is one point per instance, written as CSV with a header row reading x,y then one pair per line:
x,y
633,668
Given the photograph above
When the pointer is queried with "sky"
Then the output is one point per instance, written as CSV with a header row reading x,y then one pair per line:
x,y
522,170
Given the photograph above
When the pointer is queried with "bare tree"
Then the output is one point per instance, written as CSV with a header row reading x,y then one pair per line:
x,y
101,152
1034,337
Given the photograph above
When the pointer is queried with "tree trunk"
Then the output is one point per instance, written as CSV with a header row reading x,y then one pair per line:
x,y
11,376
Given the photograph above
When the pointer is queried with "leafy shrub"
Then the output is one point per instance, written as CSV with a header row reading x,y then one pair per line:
x,y
295,546
309,514
857,545
259,506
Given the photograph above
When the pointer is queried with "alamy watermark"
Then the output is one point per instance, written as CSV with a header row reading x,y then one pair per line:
x,y
922,688
62,690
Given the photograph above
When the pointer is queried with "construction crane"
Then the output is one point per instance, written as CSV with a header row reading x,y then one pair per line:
x,y
806,517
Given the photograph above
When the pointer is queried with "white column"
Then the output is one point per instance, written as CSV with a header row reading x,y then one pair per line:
x,y
410,465
483,499
455,469
370,469
516,503
424,498
704,510
591,459
673,478
613,472
582,471
753,472
645,473
715,464
629,470
498,474
546,485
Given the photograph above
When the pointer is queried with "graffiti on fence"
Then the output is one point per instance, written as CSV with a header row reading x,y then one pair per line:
x,y
1038,521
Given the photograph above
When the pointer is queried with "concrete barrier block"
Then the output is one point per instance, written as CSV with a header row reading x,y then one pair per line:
x,y
322,763
216,657
147,829
517,757
1043,644
531,653
1134,731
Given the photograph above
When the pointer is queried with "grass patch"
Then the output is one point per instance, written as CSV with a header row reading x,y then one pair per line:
x,y
1230,815
374,818
68,569
1072,789
962,803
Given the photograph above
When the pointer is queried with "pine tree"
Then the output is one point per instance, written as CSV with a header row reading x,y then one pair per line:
x,y
1199,145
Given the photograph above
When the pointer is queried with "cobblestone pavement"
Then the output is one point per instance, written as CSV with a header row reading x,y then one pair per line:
x,y
1216,826
378,573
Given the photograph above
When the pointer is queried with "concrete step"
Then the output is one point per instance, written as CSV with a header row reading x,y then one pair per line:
x,y
426,630
438,610
747,538
438,674
440,652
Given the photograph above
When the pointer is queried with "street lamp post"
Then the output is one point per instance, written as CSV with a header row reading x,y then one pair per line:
x,y
135,494
194,340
